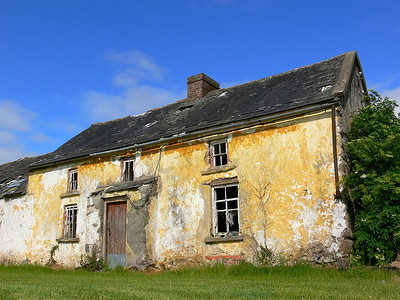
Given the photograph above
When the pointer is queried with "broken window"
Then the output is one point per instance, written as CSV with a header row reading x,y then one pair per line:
x,y
226,210
70,221
219,154
128,169
73,180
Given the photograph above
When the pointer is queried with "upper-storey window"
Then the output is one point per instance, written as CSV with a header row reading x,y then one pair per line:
x,y
73,180
128,166
219,153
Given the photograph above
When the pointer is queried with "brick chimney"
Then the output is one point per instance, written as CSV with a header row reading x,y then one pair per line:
x,y
199,85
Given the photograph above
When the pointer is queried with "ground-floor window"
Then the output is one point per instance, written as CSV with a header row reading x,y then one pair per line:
x,y
226,210
70,221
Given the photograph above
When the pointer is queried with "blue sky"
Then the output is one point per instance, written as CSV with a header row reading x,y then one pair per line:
x,y
67,64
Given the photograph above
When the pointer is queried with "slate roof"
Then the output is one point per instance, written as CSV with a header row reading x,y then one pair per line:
x,y
14,176
294,89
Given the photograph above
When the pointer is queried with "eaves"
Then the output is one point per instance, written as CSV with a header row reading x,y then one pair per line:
x,y
263,119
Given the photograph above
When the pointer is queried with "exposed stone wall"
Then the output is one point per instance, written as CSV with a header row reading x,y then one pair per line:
x,y
350,104
293,158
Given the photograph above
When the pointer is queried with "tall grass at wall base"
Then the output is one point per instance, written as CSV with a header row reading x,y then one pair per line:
x,y
243,281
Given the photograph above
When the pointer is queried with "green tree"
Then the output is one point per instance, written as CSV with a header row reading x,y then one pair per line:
x,y
373,184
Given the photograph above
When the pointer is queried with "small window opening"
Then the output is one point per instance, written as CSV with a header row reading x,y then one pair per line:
x,y
70,221
73,180
128,170
219,153
226,210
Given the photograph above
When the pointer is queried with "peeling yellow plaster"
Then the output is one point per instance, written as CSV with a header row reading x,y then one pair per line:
x,y
286,187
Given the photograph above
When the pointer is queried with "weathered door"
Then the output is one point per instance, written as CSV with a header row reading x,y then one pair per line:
x,y
116,234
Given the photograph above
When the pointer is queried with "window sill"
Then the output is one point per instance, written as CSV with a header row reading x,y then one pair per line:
x,y
70,194
70,240
220,169
226,239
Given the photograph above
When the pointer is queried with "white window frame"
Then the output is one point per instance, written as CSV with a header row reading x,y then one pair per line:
x,y
70,221
221,206
73,180
128,169
219,158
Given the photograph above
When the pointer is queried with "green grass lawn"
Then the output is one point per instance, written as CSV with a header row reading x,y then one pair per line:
x,y
238,282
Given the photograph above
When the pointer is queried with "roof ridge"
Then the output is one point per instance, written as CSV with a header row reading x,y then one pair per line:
x,y
285,72
101,123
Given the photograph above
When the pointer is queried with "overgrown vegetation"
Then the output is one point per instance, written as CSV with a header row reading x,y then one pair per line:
x,y
243,281
93,263
52,261
373,150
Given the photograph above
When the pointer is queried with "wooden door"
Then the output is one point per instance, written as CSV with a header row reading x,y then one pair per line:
x,y
116,234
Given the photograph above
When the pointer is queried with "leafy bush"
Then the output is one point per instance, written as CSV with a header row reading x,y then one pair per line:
x,y
373,150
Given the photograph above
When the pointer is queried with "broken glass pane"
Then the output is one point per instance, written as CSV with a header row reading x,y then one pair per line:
x,y
221,205
224,159
221,222
217,161
234,225
231,192
216,149
220,193
232,204
223,148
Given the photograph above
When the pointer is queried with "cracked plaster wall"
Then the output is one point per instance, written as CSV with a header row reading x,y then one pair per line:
x,y
286,199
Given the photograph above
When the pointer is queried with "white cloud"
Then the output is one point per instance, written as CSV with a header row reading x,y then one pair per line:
x,y
42,138
6,137
134,100
65,126
11,153
393,94
21,132
10,147
14,116
136,96
137,65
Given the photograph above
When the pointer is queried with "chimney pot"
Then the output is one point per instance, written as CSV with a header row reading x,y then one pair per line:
x,y
199,85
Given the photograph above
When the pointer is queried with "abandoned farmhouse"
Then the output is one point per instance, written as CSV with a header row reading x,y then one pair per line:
x,y
219,175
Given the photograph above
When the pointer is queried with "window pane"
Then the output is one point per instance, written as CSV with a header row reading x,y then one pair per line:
x,y
216,149
217,161
74,221
220,193
234,224
221,222
223,147
224,159
231,192
221,205
232,204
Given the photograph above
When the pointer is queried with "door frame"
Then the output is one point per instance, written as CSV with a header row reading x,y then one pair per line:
x,y
117,199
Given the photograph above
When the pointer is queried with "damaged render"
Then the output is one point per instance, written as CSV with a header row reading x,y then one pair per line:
x,y
217,176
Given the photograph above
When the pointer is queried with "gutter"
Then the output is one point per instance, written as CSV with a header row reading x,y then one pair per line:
x,y
335,155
